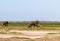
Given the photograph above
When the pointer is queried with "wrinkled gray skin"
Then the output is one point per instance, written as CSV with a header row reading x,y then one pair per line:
x,y
34,23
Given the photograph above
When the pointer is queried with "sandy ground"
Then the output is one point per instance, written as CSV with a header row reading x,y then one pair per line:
x,y
31,35
28,34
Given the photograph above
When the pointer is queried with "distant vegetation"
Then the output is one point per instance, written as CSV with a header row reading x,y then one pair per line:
x,y
24,26
49,24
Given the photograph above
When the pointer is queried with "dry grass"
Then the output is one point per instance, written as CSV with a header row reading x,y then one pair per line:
x,y
46,38
15,39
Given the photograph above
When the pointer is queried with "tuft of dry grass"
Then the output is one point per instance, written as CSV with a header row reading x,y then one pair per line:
x,y
46,38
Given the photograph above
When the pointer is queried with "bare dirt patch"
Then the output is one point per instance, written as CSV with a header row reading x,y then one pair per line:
x,y
24,35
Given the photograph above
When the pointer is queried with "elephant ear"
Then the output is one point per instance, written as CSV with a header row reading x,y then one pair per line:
x,y
6,22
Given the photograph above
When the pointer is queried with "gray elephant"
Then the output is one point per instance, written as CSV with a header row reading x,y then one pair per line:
x,y
5,23
34,23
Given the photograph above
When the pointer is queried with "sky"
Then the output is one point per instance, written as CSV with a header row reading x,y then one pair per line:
x,y
28,10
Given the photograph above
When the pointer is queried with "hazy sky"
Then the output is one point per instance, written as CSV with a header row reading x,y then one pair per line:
x,y
27,10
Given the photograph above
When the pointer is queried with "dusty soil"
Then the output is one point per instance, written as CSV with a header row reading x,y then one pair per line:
x,y
24,35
